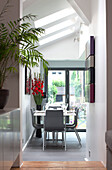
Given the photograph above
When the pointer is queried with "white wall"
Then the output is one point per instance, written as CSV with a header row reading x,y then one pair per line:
x,y
27,127
26,102
65,49
96,114
42,8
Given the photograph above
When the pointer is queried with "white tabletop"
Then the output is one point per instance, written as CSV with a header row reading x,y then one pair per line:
x,y
65,113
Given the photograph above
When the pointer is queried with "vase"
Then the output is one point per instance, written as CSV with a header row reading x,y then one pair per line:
x,y
4,94
38,107
38,132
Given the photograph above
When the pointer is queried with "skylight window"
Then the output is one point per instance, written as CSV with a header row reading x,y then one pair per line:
x,y
54,17
57,36
58,27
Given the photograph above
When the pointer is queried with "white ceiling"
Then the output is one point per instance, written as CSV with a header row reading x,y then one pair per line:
x,y
43,8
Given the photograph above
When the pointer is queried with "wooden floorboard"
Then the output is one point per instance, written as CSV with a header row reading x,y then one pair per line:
x,y
61,165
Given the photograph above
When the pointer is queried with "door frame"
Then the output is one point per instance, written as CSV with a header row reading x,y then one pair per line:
x,y
66,69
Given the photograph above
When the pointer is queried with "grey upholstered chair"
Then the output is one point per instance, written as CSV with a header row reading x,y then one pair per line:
x,y
34,123
71,127
54,122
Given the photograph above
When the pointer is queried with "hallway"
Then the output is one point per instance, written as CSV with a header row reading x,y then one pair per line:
x,y
74,152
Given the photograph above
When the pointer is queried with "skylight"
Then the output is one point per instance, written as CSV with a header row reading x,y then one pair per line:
x,y
54,17
58,27
57,36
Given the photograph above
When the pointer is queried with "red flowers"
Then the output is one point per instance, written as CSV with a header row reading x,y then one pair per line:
x,y
37,87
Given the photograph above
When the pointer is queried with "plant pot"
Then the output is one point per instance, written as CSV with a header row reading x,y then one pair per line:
x,y
4,94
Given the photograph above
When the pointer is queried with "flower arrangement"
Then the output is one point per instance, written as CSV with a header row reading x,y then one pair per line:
x,y
28,86
37,88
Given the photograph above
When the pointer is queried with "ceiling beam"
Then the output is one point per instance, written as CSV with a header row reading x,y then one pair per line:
x,y
82,8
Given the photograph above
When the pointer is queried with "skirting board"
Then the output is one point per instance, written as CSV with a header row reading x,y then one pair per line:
x,y
28,140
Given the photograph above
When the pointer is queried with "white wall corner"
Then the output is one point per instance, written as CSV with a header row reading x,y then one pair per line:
x,y
83,9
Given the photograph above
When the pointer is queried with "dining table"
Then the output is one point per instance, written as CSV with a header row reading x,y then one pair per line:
x,y
65,112
42,113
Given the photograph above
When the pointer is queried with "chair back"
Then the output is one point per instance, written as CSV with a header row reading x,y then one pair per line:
x,y
54,120
32,114
54,107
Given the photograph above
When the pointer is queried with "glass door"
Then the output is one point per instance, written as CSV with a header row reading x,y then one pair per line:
x,y
68,86
77,95
56,86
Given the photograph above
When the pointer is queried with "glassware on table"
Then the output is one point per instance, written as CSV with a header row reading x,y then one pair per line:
x,y
64,106
46,106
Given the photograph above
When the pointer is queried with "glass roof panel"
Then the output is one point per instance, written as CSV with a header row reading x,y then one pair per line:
x,y
54,17
58,27
57,36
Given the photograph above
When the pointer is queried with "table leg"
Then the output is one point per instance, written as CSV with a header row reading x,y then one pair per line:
x,y
38,131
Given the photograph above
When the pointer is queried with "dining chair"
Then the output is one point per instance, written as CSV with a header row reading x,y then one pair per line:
x,y
71,127
54,122
34,123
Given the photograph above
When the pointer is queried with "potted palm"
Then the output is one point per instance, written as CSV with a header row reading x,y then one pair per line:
x,y
18,45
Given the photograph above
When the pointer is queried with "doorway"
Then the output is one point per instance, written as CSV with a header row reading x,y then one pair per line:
x,y
63,85
67,85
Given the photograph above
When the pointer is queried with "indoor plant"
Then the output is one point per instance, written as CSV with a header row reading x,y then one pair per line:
x,y
18,44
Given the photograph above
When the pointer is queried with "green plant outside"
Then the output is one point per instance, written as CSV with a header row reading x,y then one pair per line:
x,y
58,83
52,91
75,82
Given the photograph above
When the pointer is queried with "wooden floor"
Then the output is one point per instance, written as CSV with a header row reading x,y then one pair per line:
x,y
61,165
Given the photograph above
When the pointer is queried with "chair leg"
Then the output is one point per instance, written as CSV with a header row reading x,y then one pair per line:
x,y
48,135
56,137
78,137
53,136
65,140
43,140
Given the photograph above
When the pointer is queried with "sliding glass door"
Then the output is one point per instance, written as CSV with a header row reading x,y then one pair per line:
x,y
76,88
68,86
77,95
